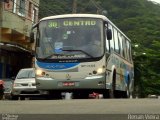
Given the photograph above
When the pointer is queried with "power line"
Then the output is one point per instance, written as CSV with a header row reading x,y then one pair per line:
x,y
99,8
49,10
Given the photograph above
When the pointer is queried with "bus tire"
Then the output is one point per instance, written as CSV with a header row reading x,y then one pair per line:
x,y
112,91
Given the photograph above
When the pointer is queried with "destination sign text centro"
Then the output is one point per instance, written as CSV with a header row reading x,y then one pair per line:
x,y
55,24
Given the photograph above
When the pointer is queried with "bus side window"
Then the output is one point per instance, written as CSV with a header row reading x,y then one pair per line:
x,y
125,48
121,45
111,42
116,41
107,45
129,51
107,42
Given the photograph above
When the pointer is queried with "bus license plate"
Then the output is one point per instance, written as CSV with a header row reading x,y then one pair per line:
x,y
68,83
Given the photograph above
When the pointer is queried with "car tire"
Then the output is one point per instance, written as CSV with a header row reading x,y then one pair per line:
x,y
14,97
22,98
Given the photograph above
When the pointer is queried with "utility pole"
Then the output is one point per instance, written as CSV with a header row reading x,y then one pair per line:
x,y
74,10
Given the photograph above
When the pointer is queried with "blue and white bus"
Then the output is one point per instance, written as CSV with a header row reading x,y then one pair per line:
x,y
82,54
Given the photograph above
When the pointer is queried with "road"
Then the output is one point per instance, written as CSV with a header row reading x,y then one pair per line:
x,y
84,106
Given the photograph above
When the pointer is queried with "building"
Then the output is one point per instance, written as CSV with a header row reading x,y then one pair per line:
x,y
16,19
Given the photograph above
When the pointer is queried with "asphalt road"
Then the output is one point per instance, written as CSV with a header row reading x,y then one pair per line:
x,y
125,107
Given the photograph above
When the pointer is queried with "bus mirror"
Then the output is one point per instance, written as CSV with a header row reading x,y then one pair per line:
x,y
32,37
109,34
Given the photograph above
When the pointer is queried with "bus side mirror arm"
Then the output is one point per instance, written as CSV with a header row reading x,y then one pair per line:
x,y
109,34
32,37
32,33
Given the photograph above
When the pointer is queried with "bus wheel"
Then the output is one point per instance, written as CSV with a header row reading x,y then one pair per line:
x,y
113,87
111,93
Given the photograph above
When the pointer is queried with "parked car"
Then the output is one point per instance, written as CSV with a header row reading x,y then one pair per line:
x,y
24,84
152,96
1,89
8,83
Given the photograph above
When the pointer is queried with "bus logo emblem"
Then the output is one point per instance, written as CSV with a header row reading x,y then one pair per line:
x,y
68,77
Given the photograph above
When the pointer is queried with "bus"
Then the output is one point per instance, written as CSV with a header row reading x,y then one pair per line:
x,y
82,54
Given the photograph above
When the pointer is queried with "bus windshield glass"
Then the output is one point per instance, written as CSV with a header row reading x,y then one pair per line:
x,y
70,38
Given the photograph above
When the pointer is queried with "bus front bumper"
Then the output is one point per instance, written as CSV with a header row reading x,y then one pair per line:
x,y
91,82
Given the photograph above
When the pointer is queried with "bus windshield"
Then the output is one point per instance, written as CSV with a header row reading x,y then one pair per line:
x,y
70,38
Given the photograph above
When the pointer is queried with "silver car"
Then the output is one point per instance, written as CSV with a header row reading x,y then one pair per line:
x,y
24,84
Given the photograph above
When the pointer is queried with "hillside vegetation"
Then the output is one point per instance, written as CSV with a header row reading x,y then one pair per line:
x,y
138,19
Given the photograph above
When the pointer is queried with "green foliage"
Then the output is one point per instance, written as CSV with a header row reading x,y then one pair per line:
x,y
138,19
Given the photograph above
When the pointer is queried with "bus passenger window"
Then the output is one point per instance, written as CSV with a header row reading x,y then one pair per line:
x,y
112,40
128,50
124,48
121,45
107,44
116,41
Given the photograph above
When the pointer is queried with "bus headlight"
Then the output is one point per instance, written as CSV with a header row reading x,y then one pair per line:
x,y
100,70
39,72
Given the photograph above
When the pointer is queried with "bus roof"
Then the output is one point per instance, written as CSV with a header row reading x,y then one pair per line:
x,y
75,15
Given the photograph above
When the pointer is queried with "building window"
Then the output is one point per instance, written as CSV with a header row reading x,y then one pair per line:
x,y
29,9
14,6
22,8
34,15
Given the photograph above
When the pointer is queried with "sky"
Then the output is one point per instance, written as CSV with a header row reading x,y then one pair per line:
x,y
158,1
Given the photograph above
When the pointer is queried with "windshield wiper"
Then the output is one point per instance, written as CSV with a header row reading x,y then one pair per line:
x,y
78,51
22,77
50,56
68,51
